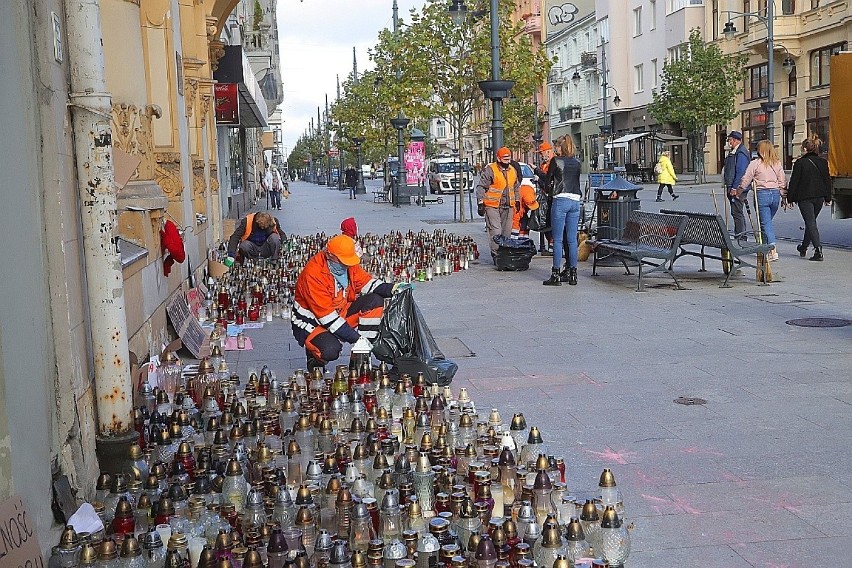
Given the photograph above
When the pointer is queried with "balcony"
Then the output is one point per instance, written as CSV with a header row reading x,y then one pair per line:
x,y
569,114
588,59
532,24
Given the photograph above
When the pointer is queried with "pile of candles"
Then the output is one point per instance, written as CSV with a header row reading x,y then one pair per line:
x,y
347,470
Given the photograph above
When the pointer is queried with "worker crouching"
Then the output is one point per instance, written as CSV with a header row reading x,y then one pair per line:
x,y
336,301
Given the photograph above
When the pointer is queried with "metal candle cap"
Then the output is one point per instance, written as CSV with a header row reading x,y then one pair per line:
x,y
465,421
485,549
151,540
123,508
293,449
518,422
107,550
206,367
303,495
130,547
574,531
333,485
550,537
610,518
339,553
88,555
542,481
607,479
135,452
254,497
233,468
589,512
283,497
277,542
207,558
304,516
252,559
360,511
324,541
390,501
534,436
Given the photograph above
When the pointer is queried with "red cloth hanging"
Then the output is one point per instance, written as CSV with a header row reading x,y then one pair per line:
x,y
171,244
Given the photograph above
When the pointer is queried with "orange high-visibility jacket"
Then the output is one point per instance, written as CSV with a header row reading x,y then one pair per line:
x,y
250,225
319,301
502,182
528,203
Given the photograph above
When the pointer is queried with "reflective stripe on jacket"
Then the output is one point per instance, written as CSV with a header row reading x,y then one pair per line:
x,y
250,226
504,182
319,300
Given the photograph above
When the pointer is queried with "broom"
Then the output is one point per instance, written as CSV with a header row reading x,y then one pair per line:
x,y
763,272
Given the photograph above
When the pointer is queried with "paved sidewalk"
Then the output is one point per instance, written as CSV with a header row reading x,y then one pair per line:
x,y
759,476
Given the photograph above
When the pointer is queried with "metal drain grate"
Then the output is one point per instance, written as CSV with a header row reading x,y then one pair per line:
x,y
689,401
819,322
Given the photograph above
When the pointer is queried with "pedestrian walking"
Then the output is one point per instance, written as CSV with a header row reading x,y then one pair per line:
x,y
351,181
735,166
770,182
497,197
564,183
666,176
810,188
274,185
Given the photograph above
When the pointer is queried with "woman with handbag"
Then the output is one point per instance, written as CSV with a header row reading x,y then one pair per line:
x,y
767,173
563,177
810,187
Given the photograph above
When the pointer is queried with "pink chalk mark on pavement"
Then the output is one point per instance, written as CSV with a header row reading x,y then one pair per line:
x,y
697,450
611,455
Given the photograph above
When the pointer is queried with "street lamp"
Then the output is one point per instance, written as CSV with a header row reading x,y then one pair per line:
x,y
359,185
495,89
400,123
730,30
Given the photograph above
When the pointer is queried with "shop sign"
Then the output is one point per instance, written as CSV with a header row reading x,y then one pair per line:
x,y
227,103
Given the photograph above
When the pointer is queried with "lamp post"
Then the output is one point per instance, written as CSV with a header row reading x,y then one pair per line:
x,y
359,184
495,89
400,123
771,105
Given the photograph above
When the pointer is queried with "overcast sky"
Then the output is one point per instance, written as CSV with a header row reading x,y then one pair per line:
x,y
317,37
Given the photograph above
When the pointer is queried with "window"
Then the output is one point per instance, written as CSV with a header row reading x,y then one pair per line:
x,y
575,50
754,126
588,90
637,21
792,84
757,82
817,121
715,9
655,73
675,54
788,7
653,9
821,64
605,30
441,129
746,10
638,79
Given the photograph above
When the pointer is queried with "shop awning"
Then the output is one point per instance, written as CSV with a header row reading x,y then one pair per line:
x,y
234,67
668,139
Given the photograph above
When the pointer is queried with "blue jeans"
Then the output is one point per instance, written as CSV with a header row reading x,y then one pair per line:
x,y
768,201
564,218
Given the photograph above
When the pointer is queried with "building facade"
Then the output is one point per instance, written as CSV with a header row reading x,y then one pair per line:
x,y
806,34
154,128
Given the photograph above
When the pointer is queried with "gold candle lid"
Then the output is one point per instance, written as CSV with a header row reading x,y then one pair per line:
x,y
88,555
610,518
107,550
607,478
130,547
205,366
69,539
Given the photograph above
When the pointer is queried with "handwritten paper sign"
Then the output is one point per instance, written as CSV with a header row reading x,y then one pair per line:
x,y
190,331
19,546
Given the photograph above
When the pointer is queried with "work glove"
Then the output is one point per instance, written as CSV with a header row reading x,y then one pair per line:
x,y
363,345
229,261
400,286
480,209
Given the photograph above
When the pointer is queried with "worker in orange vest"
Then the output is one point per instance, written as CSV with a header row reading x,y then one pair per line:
x,y
336,301
497,197
528,203
257,235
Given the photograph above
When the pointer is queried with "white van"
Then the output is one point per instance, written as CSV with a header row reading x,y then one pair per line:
x,y
444,174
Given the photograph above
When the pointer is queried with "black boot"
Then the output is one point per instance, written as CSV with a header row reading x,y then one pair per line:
x,y
554,278
564,276
572,276
313,363
817,254
803,250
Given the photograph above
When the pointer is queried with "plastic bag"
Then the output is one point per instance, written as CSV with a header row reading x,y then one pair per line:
x,y
540,218
406,342
514,254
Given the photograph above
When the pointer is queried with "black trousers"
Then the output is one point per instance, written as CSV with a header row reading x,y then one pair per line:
x,y
810,208
737,206
662,187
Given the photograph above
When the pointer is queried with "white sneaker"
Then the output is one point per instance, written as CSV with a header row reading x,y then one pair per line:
x,y
772,256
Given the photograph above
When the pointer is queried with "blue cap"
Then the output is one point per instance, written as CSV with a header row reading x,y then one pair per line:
x,y
736,134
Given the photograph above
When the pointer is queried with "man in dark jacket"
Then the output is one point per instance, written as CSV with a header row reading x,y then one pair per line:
x,y
351,181
735,166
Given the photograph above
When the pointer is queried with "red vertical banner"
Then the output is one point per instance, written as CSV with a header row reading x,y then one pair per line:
x,y
227,103
415,162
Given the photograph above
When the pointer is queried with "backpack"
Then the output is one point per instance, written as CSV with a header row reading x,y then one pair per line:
x,y
658,168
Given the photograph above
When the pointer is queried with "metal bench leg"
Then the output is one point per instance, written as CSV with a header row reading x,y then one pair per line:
x,y
703,268
640,287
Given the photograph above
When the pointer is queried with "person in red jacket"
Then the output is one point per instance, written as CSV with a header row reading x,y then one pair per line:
x,y
335,302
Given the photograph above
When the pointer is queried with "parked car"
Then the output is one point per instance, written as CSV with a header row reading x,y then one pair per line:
x,y
444,174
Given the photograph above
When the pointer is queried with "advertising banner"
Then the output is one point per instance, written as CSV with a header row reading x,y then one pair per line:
x,y
227,103
415,162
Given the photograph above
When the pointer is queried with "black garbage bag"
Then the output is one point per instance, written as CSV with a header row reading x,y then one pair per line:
x,y
539,219
514,254
406,343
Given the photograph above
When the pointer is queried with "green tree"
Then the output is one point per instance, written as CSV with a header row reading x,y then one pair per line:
x,y
699,91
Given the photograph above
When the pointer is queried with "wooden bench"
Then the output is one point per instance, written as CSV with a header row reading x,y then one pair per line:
x,y
708,230
647,235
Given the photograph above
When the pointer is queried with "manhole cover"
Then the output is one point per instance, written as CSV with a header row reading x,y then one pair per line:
x,y
820,322
689,401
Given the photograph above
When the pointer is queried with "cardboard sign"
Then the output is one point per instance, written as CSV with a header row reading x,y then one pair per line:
x,y
19,546
188,329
